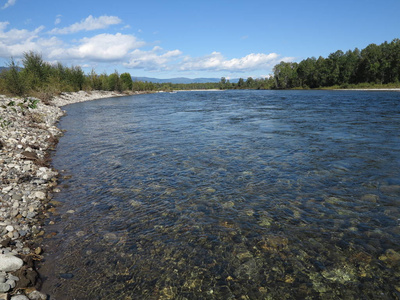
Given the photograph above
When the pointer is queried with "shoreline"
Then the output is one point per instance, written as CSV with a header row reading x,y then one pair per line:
x,y
28,134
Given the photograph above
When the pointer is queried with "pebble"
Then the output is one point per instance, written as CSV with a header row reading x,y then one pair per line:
x,y
36,295
10,263
11,283
24,180
40,195
4,287
3,296
19,297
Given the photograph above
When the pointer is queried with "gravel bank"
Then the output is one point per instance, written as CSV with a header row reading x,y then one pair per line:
x,y
28,133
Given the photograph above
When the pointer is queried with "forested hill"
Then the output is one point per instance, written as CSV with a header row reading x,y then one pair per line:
x,y
376,64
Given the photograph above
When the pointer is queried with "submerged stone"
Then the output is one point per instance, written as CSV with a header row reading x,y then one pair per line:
x,y
370,198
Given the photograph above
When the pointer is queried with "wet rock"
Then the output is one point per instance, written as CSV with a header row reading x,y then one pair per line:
x,y
341,275
29,155
274,243
10,263
27,277
370,198
110,236
391,258
36,295
390,189
66,275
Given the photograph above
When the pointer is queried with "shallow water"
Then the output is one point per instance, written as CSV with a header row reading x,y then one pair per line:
x,y
228,195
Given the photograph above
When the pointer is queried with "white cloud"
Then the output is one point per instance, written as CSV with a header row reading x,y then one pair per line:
x,y
122,49
17,41
217,62
90,23
9,3
58,19
102,47
152,60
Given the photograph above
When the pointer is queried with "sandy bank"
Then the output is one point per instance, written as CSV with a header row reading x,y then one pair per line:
x,y
28,133
373,90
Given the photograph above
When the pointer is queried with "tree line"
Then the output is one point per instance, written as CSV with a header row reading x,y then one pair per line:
x,y
374,65
43,80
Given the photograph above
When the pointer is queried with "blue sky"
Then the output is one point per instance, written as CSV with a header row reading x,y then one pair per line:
x,y
192,39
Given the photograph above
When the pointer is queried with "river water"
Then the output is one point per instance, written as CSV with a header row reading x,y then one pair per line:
x,y
228,195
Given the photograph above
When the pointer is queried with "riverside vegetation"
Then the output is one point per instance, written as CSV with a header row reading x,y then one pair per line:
x,y
376,66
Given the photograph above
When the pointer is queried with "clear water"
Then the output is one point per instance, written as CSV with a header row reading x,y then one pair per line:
x,y
228,195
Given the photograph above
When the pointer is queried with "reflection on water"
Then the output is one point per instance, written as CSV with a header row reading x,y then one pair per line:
x,y
228,195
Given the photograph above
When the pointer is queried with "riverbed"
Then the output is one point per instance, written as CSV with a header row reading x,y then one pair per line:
x,y
227,195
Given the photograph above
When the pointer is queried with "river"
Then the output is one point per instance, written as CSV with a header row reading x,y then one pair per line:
x,y
228,195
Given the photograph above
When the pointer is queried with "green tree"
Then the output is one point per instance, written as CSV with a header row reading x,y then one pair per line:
x,y
114,82
13,80
126,81
285,74
222,83
240,83
95,82
76,78
370,64
36,71
306,72
250,83
349,67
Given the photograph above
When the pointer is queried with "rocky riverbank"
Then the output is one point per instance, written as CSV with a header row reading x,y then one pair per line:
x,y
28,133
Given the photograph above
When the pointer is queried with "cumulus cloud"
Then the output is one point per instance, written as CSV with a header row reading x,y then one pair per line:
x,y
15,42
123,49
153,59
9,3
217,62
102,47
88,24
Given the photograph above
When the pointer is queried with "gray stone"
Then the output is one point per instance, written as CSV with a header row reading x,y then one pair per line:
x,y
40,195
31,215
19,297
36,295
10,263
17,197
12,277
4,287
11,283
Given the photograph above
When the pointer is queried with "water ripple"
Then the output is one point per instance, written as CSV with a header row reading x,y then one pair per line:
x,y
229,195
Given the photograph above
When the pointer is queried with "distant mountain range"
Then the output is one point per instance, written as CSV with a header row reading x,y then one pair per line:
x,y
169,80
176,80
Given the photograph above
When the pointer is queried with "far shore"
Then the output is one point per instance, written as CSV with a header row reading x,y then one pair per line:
x,y
373,90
